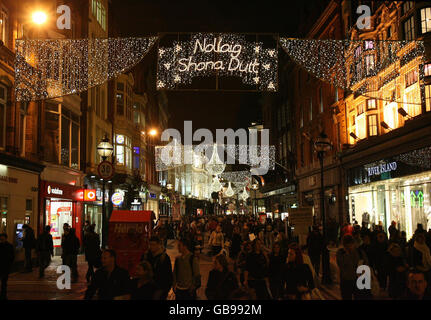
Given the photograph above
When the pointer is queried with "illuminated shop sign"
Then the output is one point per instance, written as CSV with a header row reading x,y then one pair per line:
x,y
56,191
382,168
117,198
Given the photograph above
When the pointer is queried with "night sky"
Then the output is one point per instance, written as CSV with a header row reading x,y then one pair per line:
x,y
212,109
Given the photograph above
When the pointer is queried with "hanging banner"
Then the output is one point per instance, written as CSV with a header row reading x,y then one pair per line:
x,y
251,58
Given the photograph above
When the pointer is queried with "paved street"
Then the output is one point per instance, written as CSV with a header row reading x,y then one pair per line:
x,y
27,286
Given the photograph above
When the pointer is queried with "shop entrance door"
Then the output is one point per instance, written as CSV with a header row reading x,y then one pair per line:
x,y
58,213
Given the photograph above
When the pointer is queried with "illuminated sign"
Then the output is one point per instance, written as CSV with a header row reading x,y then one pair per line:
x,y
382,168
90,195
56,191
224,55
153,196
117,198
120,139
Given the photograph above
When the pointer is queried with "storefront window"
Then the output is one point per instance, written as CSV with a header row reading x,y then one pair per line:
x,y
3,214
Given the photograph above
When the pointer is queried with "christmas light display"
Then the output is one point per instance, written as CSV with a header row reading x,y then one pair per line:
x,y
361,66
229,191
216,186
215,166
418,158
47,69
217,54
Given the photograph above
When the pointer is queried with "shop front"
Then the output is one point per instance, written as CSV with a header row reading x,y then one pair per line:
x,y
61,204
392,189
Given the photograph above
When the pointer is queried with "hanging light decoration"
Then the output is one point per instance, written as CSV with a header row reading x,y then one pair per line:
x,y
229,191
244,194
46,69
216,185
215,166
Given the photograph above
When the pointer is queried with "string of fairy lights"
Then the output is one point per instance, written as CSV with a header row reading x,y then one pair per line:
x,y
47,69
363,67
208,54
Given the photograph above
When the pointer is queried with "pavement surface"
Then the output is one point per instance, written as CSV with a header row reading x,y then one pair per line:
x,y
28,286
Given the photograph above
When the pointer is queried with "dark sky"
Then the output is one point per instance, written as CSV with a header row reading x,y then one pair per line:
x,y
212,109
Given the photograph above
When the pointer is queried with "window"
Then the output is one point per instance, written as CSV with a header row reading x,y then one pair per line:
x,y
409,29
4,27
426,20
372,125
311,109
411,78
136,113
428,97
3,91
369,45
371,104
136,158
407,5
412,105
123,150
390,115
361,108
369,64
120,86
22,126
3,214
120,104
99,13
360,126
427,69
321,99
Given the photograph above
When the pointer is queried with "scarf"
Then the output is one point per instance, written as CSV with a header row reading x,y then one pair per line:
x,y
426,257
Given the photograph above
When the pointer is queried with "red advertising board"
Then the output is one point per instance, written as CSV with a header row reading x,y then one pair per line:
x,y
262,218
129,232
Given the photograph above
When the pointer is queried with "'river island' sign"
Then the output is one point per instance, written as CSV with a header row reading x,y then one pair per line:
x,y
223,55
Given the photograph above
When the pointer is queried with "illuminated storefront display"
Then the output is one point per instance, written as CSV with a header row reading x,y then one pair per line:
x,y
397,189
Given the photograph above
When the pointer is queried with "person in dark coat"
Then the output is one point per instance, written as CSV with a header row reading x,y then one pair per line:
x,y
161,266
379,257
236,243
70,245
315,247
276,267
29,243
221,282
109,282
7,256
143,286
45,250
397,270
92,251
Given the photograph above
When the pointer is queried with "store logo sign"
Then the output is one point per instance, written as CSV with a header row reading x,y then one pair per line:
x,y
382,168
55,191
117,198
90,195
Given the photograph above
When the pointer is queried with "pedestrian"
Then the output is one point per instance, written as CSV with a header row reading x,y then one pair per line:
x,y
297,276
7,256
392,231
379,252
29,243
216,241
143,286
348,259
241,261
236,243
221,282
268,238
186,275
315,245
417,286
109,282
256,271
70,248
161,266
397,270
92,251
275,272
420,256
45,250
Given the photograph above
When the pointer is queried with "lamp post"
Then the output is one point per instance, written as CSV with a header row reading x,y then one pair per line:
x,y
105,150
255,186
169,186
322,145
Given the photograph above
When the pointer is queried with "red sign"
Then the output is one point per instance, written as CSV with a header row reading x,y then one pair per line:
x,y
129,232
60,191
90,195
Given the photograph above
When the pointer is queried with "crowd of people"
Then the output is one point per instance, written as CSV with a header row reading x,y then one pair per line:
x,y
251,260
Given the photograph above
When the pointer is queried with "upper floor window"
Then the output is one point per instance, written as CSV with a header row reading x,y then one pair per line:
x,y
427,69
123,150
428,97
311,109
120,86
361,108
407,5
411,78
372,125
4,26
120,104
426,20
3,91
99,12
371,104
409,29
321,99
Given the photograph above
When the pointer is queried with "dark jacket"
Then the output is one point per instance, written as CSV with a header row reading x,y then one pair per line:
x,y
29,241
256,265
220,285
91,246
45,243
70,244
162,269
276,266
106,288
148,291
314,244
7,256
297,275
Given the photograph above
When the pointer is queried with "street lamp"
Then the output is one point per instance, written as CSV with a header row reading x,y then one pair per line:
x,y
322,145
105,150
39,17
255,186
